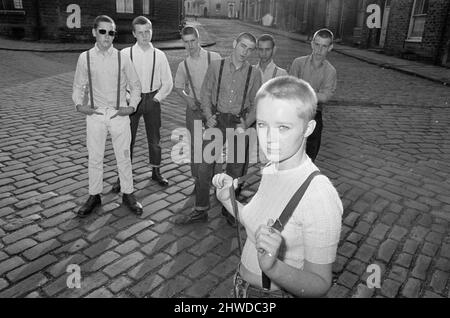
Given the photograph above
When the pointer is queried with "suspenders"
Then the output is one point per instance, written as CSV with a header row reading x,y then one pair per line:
x,y
190,78
287,213
91,92
153,67
222,62
249,74
275,70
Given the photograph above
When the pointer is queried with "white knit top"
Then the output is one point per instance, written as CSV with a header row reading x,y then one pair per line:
x,y
312,232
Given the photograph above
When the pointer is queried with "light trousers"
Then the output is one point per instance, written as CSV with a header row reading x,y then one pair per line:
x,y
97,127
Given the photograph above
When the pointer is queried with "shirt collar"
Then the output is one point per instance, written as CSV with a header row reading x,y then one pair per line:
x,y
136,46
310,62
269,66
233,67
108,52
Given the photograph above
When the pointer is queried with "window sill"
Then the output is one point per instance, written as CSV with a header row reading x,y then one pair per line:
x,y
414,40
12,12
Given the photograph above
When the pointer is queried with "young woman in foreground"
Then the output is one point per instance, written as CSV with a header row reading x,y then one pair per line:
x,y
298,260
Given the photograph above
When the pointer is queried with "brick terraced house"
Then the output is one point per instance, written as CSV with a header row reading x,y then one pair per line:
x,y
71,20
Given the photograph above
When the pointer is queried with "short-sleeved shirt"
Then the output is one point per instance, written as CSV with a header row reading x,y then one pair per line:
x,y
323,79
197,70
271,71
312,233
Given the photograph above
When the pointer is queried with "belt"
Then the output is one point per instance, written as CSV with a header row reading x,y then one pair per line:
x,y
149,93
243,289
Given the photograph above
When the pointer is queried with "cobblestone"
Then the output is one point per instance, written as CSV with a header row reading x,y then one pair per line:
x,y
384,148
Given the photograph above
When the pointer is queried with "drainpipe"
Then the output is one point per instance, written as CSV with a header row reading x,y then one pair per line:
x,y
441,40
38,19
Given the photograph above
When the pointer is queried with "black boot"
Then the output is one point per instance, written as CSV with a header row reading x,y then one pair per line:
x,y
194,216
130,201
156,175
116,186
92,203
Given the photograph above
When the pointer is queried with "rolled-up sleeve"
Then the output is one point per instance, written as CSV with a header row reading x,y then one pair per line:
x,y
80,81
206,94
166,78
133,82
327,90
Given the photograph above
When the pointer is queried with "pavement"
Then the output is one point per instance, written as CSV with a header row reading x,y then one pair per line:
x,y
385,147
434,73
43,46
427,71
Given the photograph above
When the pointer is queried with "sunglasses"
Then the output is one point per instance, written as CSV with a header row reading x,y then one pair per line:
x,y
110,33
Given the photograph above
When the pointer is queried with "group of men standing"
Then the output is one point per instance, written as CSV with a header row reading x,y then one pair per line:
x,y
218,92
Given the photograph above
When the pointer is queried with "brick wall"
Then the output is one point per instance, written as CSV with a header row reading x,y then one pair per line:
x,y
165,17
349,20
432,42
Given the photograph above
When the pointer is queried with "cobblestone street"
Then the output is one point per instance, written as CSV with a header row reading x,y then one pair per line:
x,y
385,146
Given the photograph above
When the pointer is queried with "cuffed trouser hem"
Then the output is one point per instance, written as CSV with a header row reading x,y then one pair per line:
x,y
201,208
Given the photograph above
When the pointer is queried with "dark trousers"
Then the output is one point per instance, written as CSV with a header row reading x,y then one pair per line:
x,y
313,141
151,111
202,172
237,163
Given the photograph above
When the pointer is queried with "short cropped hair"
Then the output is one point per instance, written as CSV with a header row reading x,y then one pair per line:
x,y
246,35
265,38
187,30
324,33
293,89
140,20
102,18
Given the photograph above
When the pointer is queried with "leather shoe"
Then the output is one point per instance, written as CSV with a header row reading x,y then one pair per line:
x,y
193,217
156,175
92,203
228,217
130,201
116,186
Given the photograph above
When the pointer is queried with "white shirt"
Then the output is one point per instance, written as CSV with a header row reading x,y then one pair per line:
x,y
104,75
313,231
271,71
143,62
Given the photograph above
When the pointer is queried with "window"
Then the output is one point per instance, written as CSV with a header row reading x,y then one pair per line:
x,y
418,17
18,4
11,5
146,6
217,6
124,6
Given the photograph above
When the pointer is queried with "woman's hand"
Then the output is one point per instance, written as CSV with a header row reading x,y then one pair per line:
x,y
223,182
268,243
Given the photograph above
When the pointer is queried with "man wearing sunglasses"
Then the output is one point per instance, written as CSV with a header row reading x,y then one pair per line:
x,y
99,92
154,73
321,75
